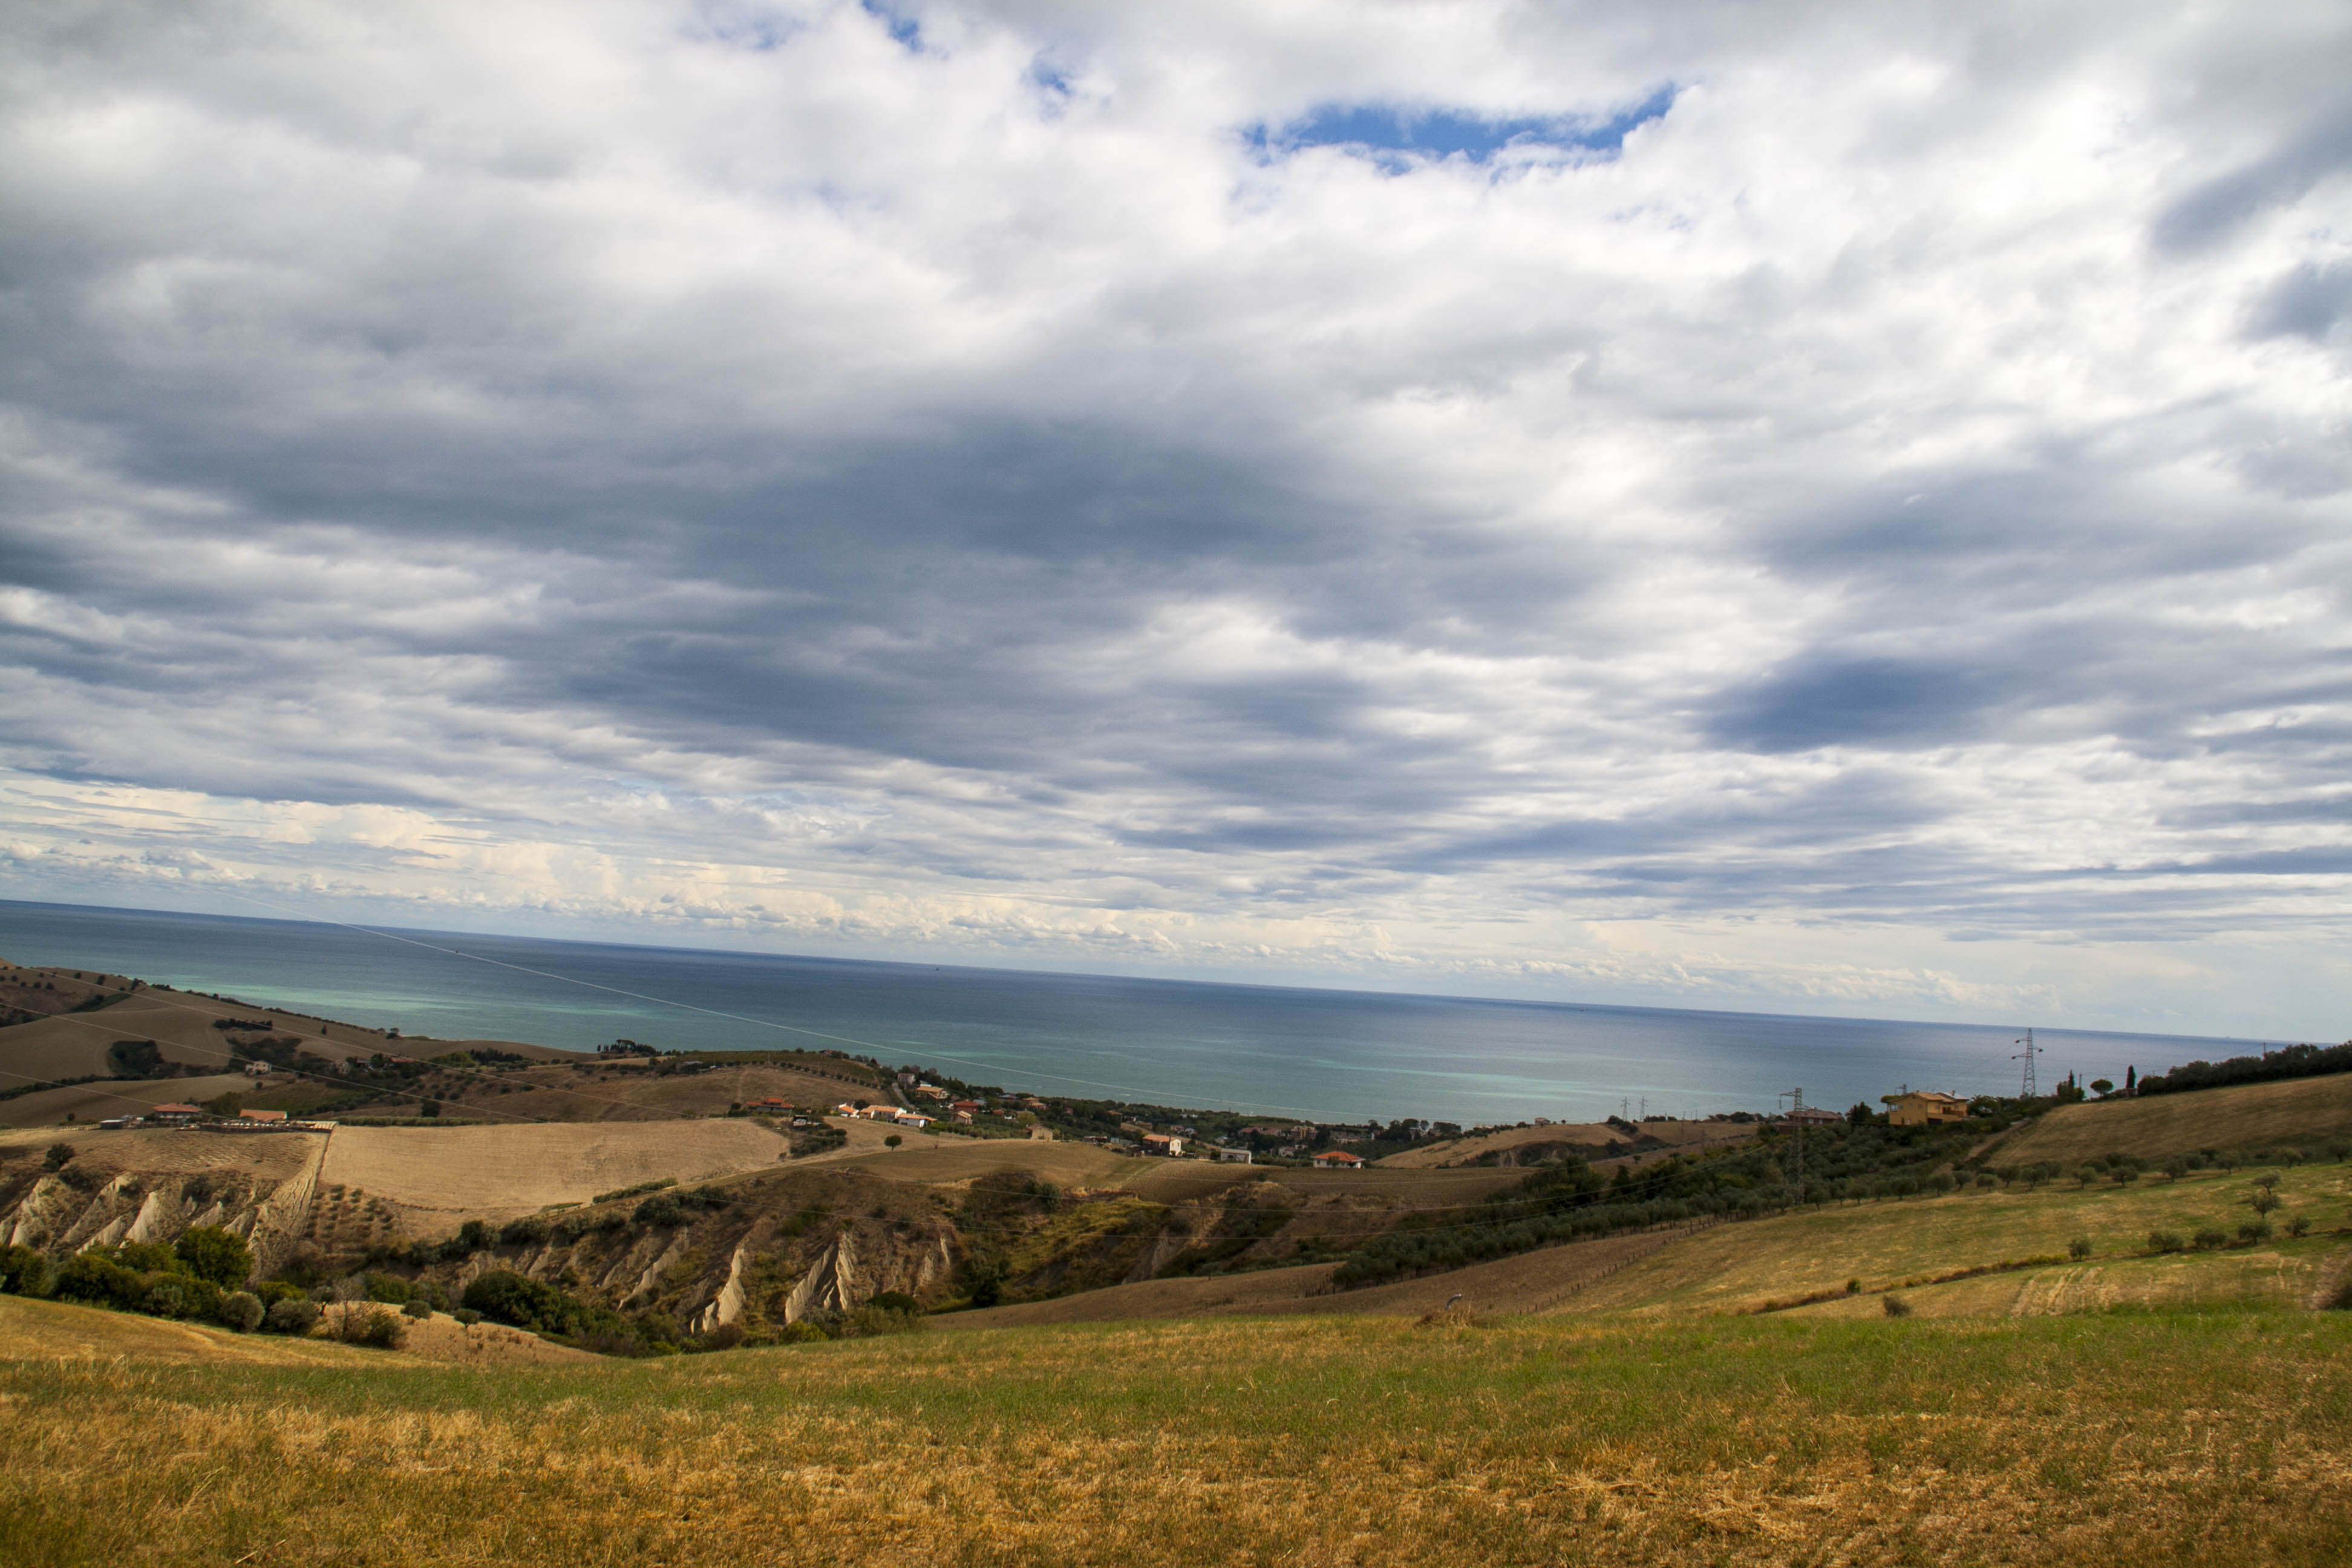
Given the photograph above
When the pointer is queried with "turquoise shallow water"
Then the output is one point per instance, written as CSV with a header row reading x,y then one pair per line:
x,y
1334,1055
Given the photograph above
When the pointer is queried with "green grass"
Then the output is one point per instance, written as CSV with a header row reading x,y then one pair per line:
x,y
1738,1267
2170,1436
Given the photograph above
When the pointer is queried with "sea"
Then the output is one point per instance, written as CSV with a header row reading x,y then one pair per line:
x,y
1328,1055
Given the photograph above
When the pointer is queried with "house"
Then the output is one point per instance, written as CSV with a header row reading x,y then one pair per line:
x,y
1162,1144
967,1108
1042,1134
177,1115
263,1116
910,1119
1338,1160
257,1069
930,1091
1922,1106
1234,1156
1811,1116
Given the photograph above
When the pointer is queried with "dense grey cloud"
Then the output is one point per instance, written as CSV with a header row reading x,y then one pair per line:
x,y
1843,507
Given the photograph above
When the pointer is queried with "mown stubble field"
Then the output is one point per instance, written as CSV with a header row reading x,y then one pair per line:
x,y
2174,1436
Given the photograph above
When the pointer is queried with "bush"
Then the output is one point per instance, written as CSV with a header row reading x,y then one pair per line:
x,y
371,1326
1896,1306
2299,1226
2210,1238
215,1255
87,1277
242,1312
661,1211
388,1289
2255,1230
57,1156
507,1297
2079,1248
2164,1241
292,1315
530,1232
23,1271
416,1309
468,1316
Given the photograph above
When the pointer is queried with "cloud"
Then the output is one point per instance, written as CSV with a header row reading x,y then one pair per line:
x,y
1433,492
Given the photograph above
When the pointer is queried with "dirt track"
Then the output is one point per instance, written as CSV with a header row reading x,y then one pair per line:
x,y
1539,1281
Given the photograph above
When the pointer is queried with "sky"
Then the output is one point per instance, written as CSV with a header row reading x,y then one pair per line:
x,y
1835,509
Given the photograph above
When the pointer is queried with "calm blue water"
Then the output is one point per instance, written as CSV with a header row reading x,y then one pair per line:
x,y
1333,1055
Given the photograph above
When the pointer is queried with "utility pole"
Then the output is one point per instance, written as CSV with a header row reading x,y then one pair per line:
x,y
2027,1056
1796,1113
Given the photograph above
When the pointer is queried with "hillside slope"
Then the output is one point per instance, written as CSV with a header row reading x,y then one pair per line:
x,y
2215,1437
2313,1111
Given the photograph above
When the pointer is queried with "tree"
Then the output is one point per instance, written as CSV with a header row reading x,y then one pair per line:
x,y
892,1141
430,1108
2103,1086
2079,1248
242,1310
216,1254
57,1156
2263,1201
507,1297
1860,1116
2176,1167
2131,1081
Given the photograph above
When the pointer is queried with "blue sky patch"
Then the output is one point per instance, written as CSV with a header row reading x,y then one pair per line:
x,y
908,31
1396,136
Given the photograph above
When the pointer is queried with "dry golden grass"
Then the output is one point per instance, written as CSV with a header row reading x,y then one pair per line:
x,y
1734,1268
2296,1111
2157,1438
1593,1134
439,1176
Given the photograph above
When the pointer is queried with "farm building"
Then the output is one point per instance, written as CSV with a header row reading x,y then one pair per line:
x,y
1234,1156
1920,1106
1338,1160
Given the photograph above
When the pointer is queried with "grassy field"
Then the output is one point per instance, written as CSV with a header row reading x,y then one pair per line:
x,y
1736,1267
2176,1437
2304,1112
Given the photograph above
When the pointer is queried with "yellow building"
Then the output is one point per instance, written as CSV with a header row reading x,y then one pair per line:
x,y
1922,1106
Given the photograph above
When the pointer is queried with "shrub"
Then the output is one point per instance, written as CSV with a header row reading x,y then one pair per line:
x,y
468,1316
82,1178
215,1255
416,1309
660,1210
388,1289
371,1326
2164,1241
1896,1306
2176,1167
57,1156
87,1277
242,1312
530,1232
2079,1248
293,1315
896,1301
2299,1226
507,1297
2255,1230
1853,1287
23,1271
2210,1238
